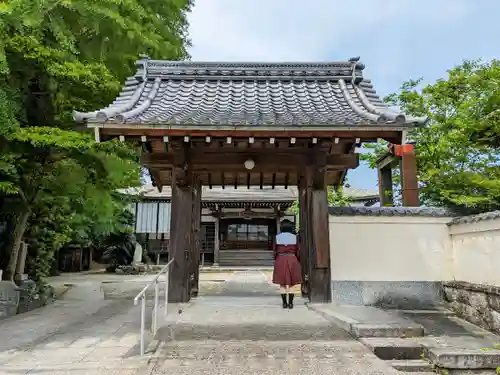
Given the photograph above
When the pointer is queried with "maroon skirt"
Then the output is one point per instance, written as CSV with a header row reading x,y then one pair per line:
x,y
287,267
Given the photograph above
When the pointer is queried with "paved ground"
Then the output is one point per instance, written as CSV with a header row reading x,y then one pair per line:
x,y
80,334
236,326
239,327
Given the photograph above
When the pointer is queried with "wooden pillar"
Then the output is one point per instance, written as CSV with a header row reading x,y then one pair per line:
x,y
303,236
319,236
180,242
195,237
217,241
409,184
385,186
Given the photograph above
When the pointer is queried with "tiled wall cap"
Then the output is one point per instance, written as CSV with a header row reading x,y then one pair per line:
x,y
390,211
492,215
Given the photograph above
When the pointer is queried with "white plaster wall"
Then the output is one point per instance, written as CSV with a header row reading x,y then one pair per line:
x,y
378,248
476,251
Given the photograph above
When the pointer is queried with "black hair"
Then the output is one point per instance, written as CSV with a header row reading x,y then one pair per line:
x,y
286,226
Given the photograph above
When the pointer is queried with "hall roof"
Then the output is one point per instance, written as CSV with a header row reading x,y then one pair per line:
x,y
254,193
178,94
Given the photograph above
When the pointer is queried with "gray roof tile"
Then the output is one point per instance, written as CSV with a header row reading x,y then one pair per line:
x,y
288,94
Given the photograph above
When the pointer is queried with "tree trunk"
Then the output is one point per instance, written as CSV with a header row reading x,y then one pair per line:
x,y
19,230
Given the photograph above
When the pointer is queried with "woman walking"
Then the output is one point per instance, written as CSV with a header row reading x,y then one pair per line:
x,y
287,271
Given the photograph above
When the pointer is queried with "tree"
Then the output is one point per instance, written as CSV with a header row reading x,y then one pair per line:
x,y
55,57
57,163
458,151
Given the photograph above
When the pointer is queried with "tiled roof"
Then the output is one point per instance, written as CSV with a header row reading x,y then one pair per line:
x,y
254,193
390,211
267,94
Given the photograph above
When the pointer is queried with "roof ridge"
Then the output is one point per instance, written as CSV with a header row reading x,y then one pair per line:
x,y
249,64
167,69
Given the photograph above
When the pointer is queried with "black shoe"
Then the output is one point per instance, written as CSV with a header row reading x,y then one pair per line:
x,y
290,300
285,303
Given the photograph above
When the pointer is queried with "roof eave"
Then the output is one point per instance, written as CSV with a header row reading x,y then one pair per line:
x,y
389,126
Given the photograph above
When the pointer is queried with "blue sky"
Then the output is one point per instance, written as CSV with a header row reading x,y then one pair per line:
x,y
396,39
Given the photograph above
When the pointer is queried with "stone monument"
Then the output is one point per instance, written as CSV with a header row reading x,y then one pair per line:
x,y
9,299
137,254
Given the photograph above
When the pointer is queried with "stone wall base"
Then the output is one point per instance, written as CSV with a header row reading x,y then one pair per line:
x,y
476,303
407,295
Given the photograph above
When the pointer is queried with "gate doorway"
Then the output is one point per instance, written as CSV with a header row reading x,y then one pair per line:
x,y
251,124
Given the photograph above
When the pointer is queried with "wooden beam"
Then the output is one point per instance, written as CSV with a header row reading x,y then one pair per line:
x,y
271,161
156,179
365,135
387,160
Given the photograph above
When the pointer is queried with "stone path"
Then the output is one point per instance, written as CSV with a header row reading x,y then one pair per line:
x,y
236,326
239,327
80,334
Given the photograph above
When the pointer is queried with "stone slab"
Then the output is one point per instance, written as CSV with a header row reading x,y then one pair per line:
x,y
128,289
460,353
9,299
367,321
464,359
388,294
465,352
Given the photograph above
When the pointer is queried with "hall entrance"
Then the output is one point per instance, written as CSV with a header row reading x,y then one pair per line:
x,y
247,242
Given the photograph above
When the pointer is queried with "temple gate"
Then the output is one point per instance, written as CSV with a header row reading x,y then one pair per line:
x,y
252,124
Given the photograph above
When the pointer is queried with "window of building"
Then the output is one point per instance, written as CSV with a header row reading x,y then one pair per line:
x,y
247,232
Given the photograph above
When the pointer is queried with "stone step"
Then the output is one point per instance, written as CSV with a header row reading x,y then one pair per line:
x,y
185,331
460,353
459,359
411,365
246,255
394,348
246,262
367,321
264,357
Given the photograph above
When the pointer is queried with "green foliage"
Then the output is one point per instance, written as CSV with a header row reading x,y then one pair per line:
x,y
57,186
458,153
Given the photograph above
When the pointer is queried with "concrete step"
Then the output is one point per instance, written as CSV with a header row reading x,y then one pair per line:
x,y
411,365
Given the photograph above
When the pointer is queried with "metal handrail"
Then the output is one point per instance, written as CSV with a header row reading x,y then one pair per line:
x,y
142,295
